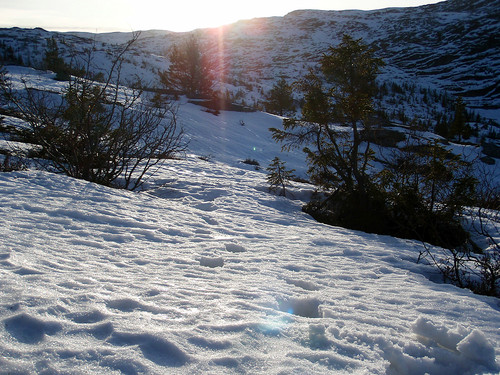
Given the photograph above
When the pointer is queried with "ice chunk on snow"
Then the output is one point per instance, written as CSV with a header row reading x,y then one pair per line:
x,y
476,347
443,351
428,333
317,337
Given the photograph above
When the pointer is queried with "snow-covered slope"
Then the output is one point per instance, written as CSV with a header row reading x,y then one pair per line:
x,y
452,46
206,272
210,274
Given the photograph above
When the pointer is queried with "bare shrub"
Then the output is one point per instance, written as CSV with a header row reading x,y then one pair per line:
x,y
98,130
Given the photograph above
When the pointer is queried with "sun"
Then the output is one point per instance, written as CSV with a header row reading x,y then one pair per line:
x,y
189,15
174,15
180,15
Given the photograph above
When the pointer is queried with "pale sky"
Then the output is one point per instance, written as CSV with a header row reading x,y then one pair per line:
x,y
177,15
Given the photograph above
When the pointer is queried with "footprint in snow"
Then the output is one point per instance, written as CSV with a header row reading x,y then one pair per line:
x,y
124,304
29,330
86,317
234,248
90,323
304,284
4,260
205,206
307,307
23,271
210,221
352,252
156,349
101,331
211,262
203,231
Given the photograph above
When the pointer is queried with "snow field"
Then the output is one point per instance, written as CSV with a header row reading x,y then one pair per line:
x,y
206,272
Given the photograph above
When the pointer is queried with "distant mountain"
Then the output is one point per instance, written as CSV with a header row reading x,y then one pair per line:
x,y
452,46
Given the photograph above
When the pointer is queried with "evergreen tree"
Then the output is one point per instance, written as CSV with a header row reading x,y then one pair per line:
x,y
318,106
54,62
279,177
459,127
335,157
4,84
280,99
427,187
442,127
190,70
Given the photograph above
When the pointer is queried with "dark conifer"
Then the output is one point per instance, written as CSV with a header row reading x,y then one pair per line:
x,y
280,99
279,177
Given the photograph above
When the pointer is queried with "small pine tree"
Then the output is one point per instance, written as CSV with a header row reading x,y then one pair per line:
x,y
54,62
338,159
279,177
190,71
459,127
442,127
280,99
4,84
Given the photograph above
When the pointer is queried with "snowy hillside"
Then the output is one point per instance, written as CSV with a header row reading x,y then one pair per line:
x,y
451,46
206,272
210,274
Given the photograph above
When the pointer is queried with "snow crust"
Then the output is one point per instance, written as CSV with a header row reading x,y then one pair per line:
x,y
206,272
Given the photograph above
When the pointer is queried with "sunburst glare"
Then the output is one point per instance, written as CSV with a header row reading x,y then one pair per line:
x,y
128,15
190,15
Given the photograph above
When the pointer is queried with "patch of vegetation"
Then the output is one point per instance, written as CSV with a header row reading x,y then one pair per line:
x,y
216,105
383,137
97,132
253,162
279,177
424,188
10,163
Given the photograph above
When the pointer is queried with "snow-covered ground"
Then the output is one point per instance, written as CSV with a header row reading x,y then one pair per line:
x,y
209,273
206,272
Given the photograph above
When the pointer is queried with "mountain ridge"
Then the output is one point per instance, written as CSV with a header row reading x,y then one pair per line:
x,y
453,46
